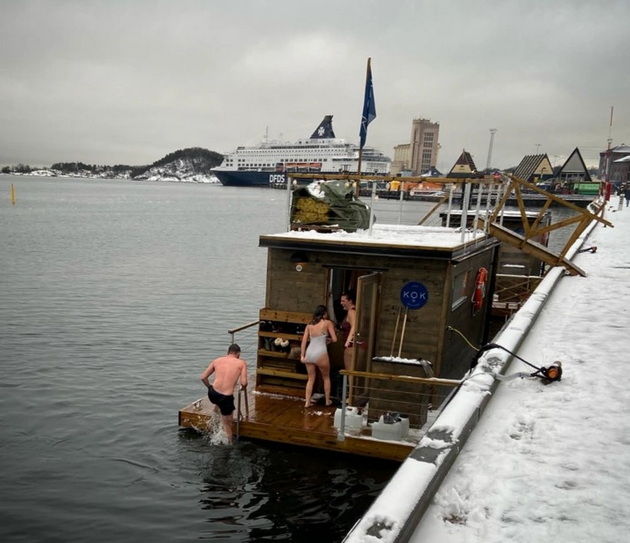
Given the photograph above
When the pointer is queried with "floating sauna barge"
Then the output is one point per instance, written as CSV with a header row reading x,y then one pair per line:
x,y
283,419
414,299
424,298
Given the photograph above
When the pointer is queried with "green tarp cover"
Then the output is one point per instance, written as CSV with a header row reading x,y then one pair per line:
x,y
345,210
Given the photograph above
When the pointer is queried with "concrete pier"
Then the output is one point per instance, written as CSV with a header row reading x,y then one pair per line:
x,y
398,514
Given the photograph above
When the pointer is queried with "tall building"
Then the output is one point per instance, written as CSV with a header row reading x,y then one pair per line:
x,y
420,155
615,163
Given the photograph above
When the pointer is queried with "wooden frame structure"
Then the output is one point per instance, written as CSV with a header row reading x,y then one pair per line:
x,y
581,220
512,187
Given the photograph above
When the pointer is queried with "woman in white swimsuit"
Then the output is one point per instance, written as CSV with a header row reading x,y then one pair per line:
x,y
316,336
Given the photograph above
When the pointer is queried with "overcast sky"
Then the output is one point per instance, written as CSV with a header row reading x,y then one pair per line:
x,y
126,82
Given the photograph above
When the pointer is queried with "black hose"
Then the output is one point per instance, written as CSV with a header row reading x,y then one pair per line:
x,y
489,346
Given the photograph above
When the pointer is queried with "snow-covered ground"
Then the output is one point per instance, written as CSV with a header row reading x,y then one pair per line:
x,y
546,462
551,463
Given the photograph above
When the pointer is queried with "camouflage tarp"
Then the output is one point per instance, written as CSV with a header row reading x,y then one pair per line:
x,y
336,206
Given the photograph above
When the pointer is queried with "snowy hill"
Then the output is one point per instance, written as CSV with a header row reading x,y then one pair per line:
x,y
192,165
188,165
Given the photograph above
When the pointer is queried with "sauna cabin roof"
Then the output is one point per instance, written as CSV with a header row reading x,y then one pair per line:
x,y
391,240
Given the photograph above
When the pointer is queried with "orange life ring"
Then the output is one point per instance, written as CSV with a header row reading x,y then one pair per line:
x,y
479,293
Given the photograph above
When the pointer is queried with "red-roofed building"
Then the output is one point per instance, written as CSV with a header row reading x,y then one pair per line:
x,y
619,164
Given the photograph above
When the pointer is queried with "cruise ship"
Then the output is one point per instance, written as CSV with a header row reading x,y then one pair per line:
x,y
270,162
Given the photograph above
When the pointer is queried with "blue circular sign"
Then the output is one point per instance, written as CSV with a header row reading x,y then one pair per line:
x,y
414,295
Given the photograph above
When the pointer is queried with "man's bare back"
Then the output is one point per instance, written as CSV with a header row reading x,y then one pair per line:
x,y
226,370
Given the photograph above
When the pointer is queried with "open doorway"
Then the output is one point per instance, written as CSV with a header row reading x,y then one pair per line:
x,y
364,285
341,280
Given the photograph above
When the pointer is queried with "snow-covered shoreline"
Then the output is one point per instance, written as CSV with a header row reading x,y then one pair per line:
x,y
472,503
157,176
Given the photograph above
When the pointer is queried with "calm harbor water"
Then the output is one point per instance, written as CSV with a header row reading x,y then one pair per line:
x,y
113,297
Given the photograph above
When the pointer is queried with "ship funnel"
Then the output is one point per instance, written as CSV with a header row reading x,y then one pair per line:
x,y
324,130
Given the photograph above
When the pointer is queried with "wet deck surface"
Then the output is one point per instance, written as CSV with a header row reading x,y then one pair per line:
x,y
284,419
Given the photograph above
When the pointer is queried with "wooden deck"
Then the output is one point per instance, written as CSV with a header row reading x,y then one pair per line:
x,y
283,419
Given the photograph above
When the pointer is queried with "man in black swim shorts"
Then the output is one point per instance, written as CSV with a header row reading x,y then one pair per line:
x,y
223,402
227,371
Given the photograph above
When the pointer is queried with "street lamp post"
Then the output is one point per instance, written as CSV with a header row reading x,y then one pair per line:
x,y
489,161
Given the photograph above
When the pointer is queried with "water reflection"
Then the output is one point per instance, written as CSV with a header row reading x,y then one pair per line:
x,y
114,296
256,491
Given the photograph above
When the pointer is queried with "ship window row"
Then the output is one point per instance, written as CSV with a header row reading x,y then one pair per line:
x,y
290,151
300,148
244,160
249,163
303,146
273,156
290,147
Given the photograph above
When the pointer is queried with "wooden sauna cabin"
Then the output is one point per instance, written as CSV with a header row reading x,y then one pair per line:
x,y
416,318
389,268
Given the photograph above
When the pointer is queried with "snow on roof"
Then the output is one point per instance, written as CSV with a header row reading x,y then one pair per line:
x,y
393,235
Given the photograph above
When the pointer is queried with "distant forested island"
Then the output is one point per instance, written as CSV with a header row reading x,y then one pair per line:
x,y
186,165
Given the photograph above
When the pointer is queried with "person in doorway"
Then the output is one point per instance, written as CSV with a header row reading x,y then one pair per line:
x,y
348,326
227,370
314,352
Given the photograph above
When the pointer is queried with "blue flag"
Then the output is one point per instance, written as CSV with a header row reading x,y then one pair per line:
x,y
369,107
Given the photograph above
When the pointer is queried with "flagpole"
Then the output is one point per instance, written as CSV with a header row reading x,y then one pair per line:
x,y
368,115
357,187
367,82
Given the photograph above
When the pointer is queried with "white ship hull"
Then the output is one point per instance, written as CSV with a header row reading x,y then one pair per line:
x,y
270,162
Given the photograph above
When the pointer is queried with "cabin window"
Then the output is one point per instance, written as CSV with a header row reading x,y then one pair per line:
x,y
461,288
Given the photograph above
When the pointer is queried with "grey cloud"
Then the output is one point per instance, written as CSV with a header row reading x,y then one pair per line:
x,y
130,81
